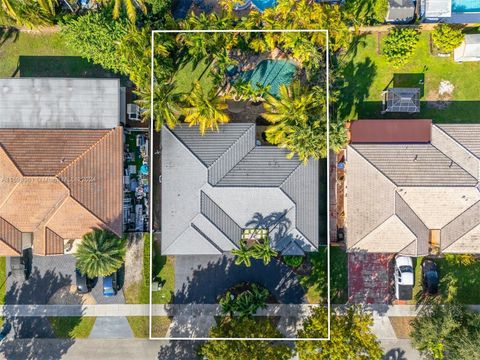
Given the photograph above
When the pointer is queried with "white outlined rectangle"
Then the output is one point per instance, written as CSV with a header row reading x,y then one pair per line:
x,y
327,174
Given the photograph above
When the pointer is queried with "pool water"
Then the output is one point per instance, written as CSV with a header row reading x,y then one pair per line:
x,y
261,5
465,6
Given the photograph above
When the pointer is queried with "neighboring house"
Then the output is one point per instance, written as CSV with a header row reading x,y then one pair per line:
x,y
216,186
412,187
61,163
469,49
450,11
400,11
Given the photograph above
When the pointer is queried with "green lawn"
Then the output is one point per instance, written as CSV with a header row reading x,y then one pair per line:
x,y
368,74
316,282
72,327
139,325
164,272
190,72
43,55
458,283
138,293
3,279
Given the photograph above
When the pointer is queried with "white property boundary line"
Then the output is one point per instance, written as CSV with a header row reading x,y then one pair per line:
x,y
328,179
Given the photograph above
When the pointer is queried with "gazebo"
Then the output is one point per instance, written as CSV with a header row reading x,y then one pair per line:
x,y
406,100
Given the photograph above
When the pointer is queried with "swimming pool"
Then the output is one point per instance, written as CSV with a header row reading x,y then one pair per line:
x,y
465,6
261,5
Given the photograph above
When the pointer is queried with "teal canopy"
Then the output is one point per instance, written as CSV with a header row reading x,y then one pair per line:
x,y
270,72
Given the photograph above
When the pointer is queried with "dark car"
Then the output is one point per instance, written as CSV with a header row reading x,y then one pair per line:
x,y
84,283
430,278
110,286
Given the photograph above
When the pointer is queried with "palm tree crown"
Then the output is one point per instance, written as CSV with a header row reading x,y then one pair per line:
x,y
204,111
100,253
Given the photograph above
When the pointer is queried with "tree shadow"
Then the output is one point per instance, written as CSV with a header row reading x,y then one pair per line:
x,y
179,350
8,34
395,354
354,88
410,81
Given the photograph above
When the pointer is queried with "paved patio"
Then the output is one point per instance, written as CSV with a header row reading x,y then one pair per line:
x,y
202,279
49,275
370,278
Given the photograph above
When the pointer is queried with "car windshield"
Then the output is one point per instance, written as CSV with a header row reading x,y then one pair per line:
x,y
406,269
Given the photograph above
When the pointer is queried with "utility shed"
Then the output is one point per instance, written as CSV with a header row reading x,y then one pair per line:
x,y
469,50
402,100
400,11
48,103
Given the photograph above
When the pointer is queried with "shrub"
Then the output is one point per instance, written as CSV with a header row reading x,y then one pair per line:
x,y
447,37
461,259
293,261
399,45
245,303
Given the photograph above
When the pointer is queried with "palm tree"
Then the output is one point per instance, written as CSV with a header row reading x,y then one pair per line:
x,y
100,253
166,105
298,121
204,111
243,254
29,13
262,250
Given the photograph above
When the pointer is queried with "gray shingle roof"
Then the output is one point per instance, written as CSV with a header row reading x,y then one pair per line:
x,y
415,165
239,183
467,135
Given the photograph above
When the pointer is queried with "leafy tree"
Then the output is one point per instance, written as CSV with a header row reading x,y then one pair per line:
x,y
262,250
95,36
246,303
100,253
293,260
399,45
130,6
461,259
338,136
447,37
244,327
243,254
203,110
366,12
351,337
298,121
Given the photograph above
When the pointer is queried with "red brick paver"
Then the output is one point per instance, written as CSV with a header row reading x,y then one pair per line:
x,y
370,278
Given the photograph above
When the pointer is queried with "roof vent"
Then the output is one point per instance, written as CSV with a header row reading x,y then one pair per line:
x,y
415,158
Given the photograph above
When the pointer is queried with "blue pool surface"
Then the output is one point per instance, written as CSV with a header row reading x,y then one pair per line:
x,y
465,6
261,5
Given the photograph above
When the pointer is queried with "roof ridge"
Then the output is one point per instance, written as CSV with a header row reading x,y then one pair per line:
x,y
197,229
82,155
53,210
451,137
372,165
291,174
11,159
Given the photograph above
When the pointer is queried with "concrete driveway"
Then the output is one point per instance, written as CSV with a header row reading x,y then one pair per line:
x,y
202,279
49,275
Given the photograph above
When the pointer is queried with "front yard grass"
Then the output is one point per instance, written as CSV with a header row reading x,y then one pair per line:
x,y
72,327
458,283
139,325
368,74
138,293
316,283
3,279
164,272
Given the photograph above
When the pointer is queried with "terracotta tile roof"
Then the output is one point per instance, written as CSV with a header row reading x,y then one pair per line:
x,y
391,131
10,238
60,184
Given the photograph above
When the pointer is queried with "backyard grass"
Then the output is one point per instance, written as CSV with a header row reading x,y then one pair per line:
x,y
72,327
191,72
43,55
316,282
139,326
368,74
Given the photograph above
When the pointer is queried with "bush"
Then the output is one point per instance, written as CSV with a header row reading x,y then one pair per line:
x,y
293,261
399,45
246,302
447,37
461,259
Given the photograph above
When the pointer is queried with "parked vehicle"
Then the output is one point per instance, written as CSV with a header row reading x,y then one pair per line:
x,y
84,283
110,286
18,270
430,278
404,278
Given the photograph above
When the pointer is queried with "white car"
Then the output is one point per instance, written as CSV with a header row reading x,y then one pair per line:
x,y
404,278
